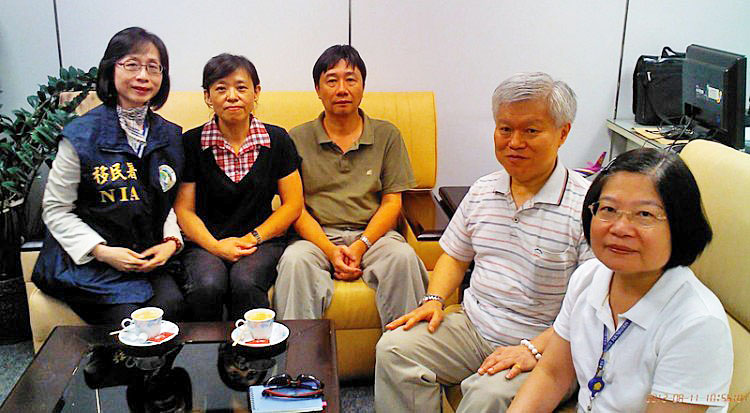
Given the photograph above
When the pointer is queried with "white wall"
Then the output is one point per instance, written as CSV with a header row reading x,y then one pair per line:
x,y
282,38
27,55
459,50
463,50
721,24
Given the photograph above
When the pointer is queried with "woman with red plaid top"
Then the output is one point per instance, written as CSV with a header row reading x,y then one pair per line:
x,y
234,165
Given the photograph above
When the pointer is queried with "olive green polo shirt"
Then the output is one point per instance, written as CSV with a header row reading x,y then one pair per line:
x,y
344,189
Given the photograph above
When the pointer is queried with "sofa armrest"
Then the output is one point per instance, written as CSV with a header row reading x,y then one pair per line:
x,y
424,215
29,253
451,197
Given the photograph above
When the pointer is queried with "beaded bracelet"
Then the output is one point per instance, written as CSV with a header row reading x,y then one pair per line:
x,y
532,348
176,242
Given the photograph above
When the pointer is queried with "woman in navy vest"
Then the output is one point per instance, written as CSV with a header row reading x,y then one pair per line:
x,y
234,165
107,203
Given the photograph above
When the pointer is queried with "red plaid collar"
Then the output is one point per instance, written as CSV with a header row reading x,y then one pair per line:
x,y
211,136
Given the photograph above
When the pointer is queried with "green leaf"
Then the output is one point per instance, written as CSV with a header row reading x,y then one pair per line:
x,y
35,137
50,136
20,123
21,114
12,189
25,160
33,100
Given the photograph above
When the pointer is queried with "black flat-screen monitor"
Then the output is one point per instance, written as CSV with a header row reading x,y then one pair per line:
x,y
713,93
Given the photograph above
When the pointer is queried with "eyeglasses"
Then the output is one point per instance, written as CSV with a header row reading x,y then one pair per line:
x,y
644,218
133,66
284,385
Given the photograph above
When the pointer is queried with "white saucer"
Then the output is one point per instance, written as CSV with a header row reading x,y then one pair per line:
x,y
128,338
279,333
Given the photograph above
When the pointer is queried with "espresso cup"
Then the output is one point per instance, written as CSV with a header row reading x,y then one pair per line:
x,y
147,320
258,322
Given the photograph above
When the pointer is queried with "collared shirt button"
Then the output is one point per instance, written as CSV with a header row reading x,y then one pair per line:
x,y
515,219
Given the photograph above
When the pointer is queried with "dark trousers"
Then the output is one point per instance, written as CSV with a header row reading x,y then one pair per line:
x,y
167,296
242,285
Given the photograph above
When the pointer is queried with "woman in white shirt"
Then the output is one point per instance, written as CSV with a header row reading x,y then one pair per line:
x,y
637,329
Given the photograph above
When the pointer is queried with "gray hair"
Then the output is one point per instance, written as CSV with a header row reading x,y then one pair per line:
x,y
560,98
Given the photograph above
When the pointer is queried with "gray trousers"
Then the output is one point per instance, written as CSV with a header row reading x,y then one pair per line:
x,y
304,286
412,365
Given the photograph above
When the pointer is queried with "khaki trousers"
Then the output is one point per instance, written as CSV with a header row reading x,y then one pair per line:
x,y
412,365
304,286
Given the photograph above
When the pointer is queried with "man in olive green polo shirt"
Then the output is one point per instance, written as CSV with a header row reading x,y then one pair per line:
x,y
353,170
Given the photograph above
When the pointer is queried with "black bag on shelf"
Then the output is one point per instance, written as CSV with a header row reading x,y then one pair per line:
x,y
657,88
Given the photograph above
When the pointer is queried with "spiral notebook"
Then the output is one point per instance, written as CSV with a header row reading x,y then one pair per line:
x,y
260,404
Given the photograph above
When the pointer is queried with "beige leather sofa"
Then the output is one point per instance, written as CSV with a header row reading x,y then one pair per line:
x,y
353,307
723,175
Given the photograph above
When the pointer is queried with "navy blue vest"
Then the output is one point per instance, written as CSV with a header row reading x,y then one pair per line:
x,y
125,199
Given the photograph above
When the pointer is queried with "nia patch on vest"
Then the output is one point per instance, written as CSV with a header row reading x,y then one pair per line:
x,y
121,194
167,177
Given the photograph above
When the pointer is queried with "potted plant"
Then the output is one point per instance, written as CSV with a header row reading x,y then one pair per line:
x,y
27,140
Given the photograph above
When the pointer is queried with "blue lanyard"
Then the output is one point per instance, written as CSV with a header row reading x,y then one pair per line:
x,y
596,384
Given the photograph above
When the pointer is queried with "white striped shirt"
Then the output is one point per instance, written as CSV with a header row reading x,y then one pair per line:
x,y
523,257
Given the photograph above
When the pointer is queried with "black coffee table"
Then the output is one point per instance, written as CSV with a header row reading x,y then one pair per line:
x,y
53,380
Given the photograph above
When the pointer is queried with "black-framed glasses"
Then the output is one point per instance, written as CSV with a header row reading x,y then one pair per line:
x,y
133,66
284,385
646,217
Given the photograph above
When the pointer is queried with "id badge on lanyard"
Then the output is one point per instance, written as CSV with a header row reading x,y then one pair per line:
x,y
596,384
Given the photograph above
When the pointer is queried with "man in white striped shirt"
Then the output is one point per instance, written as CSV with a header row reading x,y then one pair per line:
x,y
522,228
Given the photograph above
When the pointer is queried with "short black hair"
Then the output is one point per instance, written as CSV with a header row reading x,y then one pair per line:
x,y
675,184
331,58
123,43
221,66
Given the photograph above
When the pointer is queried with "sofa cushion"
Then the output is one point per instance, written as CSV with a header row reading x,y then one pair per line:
x,y
28,259
47,314
723,174
345,310
739,390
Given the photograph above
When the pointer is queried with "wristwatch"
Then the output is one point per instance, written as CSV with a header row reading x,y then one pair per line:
x,y
432,297
365,241
257,237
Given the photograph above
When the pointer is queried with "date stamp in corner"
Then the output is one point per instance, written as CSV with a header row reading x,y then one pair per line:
x,y
696,398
